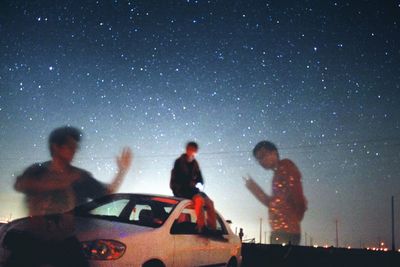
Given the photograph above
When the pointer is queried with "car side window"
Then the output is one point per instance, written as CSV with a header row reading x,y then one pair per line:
x,y
134,216
145,215
220,226
186,222
110,209
187,215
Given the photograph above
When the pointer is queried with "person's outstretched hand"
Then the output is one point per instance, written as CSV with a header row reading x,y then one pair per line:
x,y
251,184
256,190
124,160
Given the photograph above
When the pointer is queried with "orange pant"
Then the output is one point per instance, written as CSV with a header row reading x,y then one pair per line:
x,y
201,202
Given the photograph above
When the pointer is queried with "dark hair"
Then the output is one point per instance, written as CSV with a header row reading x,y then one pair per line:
x,y
192,144
60,136
269,146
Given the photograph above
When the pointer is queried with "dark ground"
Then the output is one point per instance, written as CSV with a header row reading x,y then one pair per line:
x,y
276,256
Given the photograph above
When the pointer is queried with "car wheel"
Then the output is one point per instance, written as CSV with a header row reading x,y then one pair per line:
x,y
153,263
232,263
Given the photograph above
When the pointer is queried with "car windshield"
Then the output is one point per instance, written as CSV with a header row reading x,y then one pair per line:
x,y
144,210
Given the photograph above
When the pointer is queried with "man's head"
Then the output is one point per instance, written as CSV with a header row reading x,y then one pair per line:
x,y
266,154
63,142
191,150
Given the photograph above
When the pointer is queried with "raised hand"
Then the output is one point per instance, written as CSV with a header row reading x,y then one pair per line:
x,y
256,190
124,160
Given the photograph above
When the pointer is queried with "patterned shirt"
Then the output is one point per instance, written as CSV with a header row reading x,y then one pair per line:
x,y
58,201
287,203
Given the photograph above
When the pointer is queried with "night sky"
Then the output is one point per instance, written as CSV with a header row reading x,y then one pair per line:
x,y
321,79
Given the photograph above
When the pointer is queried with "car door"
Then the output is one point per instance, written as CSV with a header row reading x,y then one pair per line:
x,y
220,246
190,248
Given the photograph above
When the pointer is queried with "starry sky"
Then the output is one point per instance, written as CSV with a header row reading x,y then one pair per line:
x,y
318,78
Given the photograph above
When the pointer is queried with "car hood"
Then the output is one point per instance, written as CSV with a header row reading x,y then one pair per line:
x,y
93,228
84,228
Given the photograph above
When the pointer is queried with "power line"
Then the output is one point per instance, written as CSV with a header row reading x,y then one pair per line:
x,y
241,152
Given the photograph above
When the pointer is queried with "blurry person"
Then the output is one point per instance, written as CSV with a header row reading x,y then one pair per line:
x,y
241,234
287,204
57,186
185,176
51,189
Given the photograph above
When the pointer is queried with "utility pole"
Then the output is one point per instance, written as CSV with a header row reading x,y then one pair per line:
x,y
337,233
260,230
305,238
393,239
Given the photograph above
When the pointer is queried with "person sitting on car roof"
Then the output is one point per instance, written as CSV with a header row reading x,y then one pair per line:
x,y
185,175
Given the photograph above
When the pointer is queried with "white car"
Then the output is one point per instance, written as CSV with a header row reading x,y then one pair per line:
x,y
146,230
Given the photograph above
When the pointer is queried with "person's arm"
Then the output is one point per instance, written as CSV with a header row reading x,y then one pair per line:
x,y
200,178
38,186
29,181
172,180
256,190
295,188
176,177
123,162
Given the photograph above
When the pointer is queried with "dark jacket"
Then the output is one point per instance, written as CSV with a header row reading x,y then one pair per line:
x,y
184,177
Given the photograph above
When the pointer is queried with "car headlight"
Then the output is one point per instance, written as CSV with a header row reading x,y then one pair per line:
x,y
103,249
